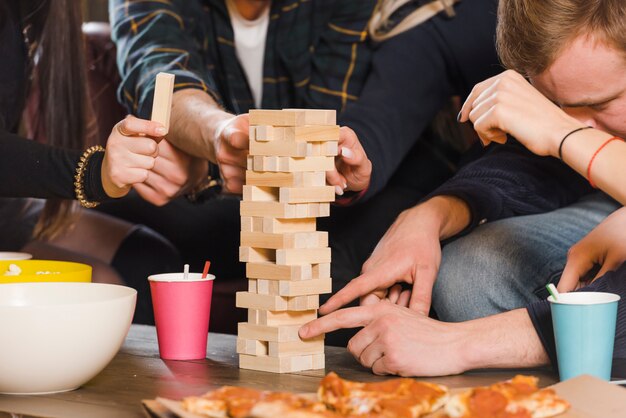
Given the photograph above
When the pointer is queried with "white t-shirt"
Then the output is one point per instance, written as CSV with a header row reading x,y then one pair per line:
x,y
250,37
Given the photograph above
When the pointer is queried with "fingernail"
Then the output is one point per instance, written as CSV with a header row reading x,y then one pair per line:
x,y
345,186
304,330
338,191
458,117
161,130
347,152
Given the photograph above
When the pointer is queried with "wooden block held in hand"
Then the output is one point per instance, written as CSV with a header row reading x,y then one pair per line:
x,y
317,116
162,102
252,347
294,164
306,194
303,256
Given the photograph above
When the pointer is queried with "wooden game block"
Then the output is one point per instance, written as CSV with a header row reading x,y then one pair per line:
x,y
303,287
321,271
162,102
282,333
283,364
287,240
263,133
253,316
303,303
283,210
251,224
260,194
292,117
330,148
265,163
271,271
310,133
292,256
250,162
317,116
296,348
268,287
300,179
281,148
281,226
264,302
306,194
255,255
319,361
252,347
252,133
293,164
271,318
252,286
276,303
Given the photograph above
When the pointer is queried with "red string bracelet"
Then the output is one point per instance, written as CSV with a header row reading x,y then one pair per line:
x,y
593,157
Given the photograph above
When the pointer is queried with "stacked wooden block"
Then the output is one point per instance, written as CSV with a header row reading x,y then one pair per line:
x,y
288,260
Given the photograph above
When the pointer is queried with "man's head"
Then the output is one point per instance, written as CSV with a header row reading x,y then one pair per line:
x,y
573,51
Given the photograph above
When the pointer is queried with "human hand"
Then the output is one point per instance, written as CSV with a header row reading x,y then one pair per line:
x,y
231,143
131,151
508,103
353,168
391,337
174,173
409,252
604,246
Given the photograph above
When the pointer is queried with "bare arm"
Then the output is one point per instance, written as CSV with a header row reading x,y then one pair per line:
x,y
392,335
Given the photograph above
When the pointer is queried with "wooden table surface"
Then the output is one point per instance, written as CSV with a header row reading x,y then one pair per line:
x,y
138,373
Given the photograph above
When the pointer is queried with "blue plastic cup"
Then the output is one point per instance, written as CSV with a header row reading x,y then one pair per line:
x,y
584,330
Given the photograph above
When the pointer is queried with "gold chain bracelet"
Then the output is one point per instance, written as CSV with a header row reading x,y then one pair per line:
x,y
79,178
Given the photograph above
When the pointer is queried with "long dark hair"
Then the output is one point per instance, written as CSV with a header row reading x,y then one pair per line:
x,y
57,64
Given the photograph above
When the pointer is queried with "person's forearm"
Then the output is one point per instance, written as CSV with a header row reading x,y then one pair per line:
x,y
608,169
500,341
450,215
194,120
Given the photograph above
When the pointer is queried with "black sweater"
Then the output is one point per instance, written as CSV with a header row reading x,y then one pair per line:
x,y
29,169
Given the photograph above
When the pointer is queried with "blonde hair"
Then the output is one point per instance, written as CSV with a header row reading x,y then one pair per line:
x,y
379,25
531,33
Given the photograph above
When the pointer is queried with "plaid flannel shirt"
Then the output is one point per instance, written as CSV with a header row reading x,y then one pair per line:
x,y
316,53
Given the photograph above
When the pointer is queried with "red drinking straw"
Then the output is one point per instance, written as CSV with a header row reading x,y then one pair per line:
x,y
207,264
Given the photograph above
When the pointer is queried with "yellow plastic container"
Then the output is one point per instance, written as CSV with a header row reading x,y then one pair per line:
x,y
45,271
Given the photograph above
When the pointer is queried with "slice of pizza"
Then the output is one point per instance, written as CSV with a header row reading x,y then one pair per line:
x,y
516,398
238,402
406,398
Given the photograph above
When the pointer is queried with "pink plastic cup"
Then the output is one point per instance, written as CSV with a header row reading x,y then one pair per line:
x,y
181,312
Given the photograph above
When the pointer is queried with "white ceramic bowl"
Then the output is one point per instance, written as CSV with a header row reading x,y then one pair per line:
x,y
54,337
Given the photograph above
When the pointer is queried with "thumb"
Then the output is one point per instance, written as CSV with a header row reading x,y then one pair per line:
x,y
421,296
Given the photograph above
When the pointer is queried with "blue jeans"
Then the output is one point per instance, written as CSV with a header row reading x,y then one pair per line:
x,y
506,264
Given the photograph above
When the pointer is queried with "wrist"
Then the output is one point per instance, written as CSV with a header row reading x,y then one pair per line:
x,y
448,214
560,131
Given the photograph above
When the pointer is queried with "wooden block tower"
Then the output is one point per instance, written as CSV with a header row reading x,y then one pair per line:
x,y
288,260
